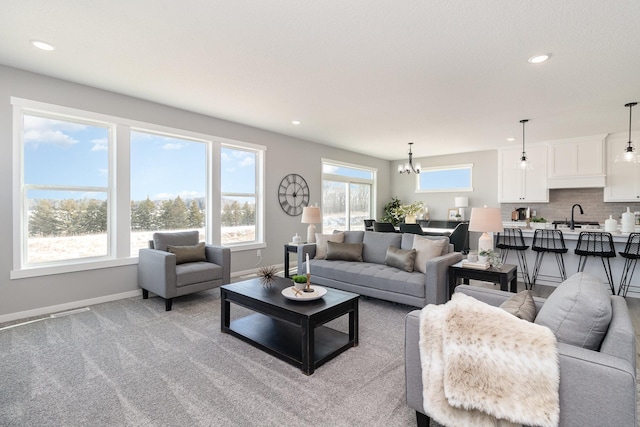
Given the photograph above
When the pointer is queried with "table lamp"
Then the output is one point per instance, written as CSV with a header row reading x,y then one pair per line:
x,y
311,216
461,203
485,220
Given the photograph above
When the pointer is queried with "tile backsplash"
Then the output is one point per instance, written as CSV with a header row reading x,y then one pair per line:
x,y
561,200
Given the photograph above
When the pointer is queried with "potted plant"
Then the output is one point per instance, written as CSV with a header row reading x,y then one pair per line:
x,y
539,222
490,256
390,211
299,281
409,212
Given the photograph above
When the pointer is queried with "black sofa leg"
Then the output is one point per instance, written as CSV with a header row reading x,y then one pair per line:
x,y
167,304
145,294
422,419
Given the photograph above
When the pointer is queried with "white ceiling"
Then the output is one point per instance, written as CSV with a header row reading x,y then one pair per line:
x,y
366,75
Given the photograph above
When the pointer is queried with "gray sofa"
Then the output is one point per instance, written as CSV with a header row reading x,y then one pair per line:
x,y
597,387
372,277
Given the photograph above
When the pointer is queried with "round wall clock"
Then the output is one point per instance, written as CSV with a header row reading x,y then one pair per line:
x,y
293,194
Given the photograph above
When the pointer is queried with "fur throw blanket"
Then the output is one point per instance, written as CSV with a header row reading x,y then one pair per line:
x,y
482,366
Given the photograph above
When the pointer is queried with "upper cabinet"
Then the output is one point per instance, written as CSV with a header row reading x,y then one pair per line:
x,y
623,179
523,185
577,162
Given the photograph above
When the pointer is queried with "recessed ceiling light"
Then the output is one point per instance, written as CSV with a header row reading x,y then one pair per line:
x,y
536,59
511,139
295,122
42,45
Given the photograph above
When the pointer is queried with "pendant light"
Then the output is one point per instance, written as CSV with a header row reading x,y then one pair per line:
x,y
408,167
524,163
629,154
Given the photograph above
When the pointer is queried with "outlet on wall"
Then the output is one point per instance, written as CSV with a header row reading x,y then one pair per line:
x,y
258,252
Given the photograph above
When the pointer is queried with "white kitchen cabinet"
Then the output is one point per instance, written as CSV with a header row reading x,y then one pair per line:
x,y
576,162
523,185
623,179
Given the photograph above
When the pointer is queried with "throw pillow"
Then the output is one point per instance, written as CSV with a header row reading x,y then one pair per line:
x,y
376,244
427,249
185,254
401,258
344,251
521,305
321,243
578,311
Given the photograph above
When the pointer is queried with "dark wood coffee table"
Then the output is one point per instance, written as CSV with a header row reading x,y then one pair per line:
x,y
506,276
292,331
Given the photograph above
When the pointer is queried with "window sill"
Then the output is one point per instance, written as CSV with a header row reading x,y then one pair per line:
x,y
95,265
70,268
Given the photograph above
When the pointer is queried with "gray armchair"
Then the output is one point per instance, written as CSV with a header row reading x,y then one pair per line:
x,y
185,271
597,388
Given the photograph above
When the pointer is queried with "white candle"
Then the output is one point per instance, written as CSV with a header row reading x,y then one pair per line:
x,y
308,266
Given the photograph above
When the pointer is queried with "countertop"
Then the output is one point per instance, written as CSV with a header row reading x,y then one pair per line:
x,y
618,236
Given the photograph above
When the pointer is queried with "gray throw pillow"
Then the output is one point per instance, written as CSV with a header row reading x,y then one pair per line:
x,y
521,305
321,243
186,254
344,251
578,311
401,258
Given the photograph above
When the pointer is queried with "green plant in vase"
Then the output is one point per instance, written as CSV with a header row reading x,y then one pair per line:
x,y
390,211
299,281
490,256
408,213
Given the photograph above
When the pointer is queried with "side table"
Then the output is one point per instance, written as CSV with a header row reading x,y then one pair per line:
x,y
502,275
288,248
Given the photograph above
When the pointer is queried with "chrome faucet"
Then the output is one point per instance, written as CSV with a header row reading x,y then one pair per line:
x,y
572,224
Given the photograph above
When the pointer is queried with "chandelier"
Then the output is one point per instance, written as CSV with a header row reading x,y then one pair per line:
x,y
408,167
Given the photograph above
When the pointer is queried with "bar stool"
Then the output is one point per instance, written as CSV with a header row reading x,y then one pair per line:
x,y
596,244
511,239
631,254
548,241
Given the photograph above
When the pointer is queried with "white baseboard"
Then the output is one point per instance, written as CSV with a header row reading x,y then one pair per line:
x,y
82,303
67,306
255,270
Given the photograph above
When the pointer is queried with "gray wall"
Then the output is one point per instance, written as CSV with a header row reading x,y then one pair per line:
x,y
485,183
284,155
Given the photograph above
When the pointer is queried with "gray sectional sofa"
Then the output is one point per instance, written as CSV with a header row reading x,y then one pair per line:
x,y
596,346
373,277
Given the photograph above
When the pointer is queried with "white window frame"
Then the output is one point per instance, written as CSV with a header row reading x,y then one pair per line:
x,y
173,133
445,168
260,152
351,180
119,219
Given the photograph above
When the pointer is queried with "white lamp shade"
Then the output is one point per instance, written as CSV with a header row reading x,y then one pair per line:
x,y
485,220
311,215
461,202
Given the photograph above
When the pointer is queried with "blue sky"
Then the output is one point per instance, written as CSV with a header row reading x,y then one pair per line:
x,y
74,154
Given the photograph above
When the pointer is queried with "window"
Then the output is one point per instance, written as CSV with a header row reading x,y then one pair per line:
x,y
347,196
65,190
445,178
91,189
168,186
241,173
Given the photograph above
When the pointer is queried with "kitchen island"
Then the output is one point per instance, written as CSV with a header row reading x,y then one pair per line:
x,y
549,269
